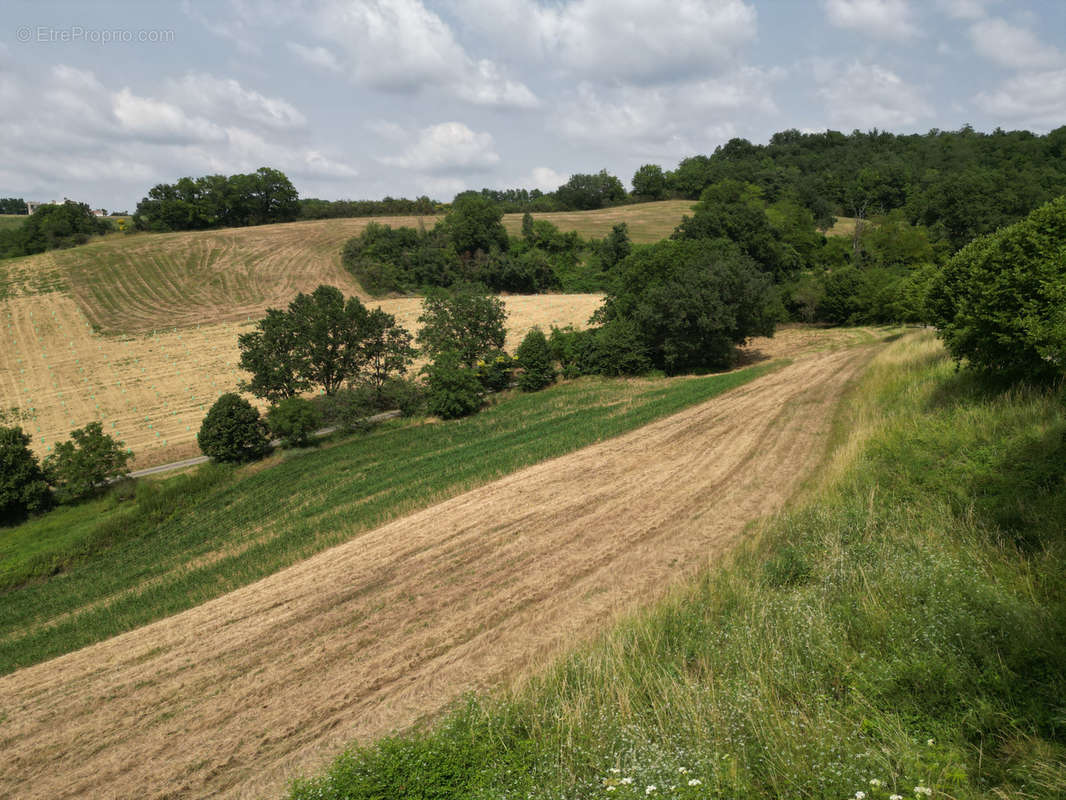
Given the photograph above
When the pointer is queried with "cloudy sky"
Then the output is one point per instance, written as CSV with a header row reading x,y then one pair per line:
x,y
363,98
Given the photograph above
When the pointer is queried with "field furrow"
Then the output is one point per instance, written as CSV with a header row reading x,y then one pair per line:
x,y
232,697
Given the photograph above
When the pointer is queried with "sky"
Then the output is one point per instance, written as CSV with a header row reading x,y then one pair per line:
x,y
361,99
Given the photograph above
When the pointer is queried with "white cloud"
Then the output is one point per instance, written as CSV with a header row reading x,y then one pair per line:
x,y
964,9
545,178
225,98
62,131
668,121
866,96
402,46
1036,99
611,40
884,19
1011,46
447,147
315,56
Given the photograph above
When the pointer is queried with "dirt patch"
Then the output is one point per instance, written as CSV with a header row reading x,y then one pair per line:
x,y
235,696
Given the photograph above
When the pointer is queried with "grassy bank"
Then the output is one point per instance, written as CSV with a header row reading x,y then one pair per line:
x,y
901,631
82,574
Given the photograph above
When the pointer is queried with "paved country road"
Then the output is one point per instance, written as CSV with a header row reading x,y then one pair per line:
x,y
231,698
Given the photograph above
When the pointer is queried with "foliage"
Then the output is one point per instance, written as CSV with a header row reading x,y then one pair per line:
x,y
53,227
615,246
216,201
649,182
1000,303
535,359
313,208
691,302
23,486
475,224
387,259
13,205
294,420
322,340
585,192
495,371
887,637
122,569
466,321
453,388
85,463
387,350
233,431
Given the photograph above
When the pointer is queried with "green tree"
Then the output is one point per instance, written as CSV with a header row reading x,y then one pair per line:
x,y
294,420
453,388
467,321
586,192
233,431
1000,302
649,181
616,246
321,340
475,223
691,302
387,350
80,466
23,486
534,357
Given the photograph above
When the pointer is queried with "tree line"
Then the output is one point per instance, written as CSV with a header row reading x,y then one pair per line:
x,y
53,227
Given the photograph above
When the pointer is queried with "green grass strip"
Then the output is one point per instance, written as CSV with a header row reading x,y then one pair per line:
x,y
112,566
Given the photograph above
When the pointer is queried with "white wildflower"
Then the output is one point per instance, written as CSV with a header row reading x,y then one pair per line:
x,y
626,781
895,797
860,795
876,783
614,771
682,770
919,789
612,788
695,782
649,789
930,742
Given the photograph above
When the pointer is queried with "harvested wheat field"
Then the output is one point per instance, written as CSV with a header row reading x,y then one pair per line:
x,y
235,696
152,391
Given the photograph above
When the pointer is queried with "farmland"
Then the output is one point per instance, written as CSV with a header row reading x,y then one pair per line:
x,y
413,613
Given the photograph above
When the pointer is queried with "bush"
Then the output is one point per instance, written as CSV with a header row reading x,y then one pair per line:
x,y
452,389
1000,303
349,409
23,488
535,359
688,304
404,394
495,371
86,462
233,431
294,420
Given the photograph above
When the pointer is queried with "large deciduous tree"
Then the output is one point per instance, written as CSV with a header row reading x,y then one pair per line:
x,y
467,321
324,341
23,487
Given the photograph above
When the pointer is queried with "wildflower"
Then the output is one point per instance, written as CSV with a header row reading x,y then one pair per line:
x,y
919,789
695,782
612,788
614,771
860,795
649,789
682,770
895,797
876,783
930,742
626,781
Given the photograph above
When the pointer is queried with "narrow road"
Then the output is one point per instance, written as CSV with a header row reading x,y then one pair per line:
x,y
230,699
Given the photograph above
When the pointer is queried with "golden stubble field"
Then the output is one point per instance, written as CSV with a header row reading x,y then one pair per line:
x,y
140,331
152,390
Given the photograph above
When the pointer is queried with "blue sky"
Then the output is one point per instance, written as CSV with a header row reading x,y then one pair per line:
x,y
362,98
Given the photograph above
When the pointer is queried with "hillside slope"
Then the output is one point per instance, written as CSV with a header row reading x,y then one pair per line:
x,y
230,698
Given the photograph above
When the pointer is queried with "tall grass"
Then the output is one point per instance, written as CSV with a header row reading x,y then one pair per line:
x,y
103,569
902,631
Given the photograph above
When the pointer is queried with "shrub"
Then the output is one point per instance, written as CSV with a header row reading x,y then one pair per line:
x,y
1000,303
467,321
233,431
349,409
86,462
23,488
452,389
535,359
495,371
404,394
294,420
